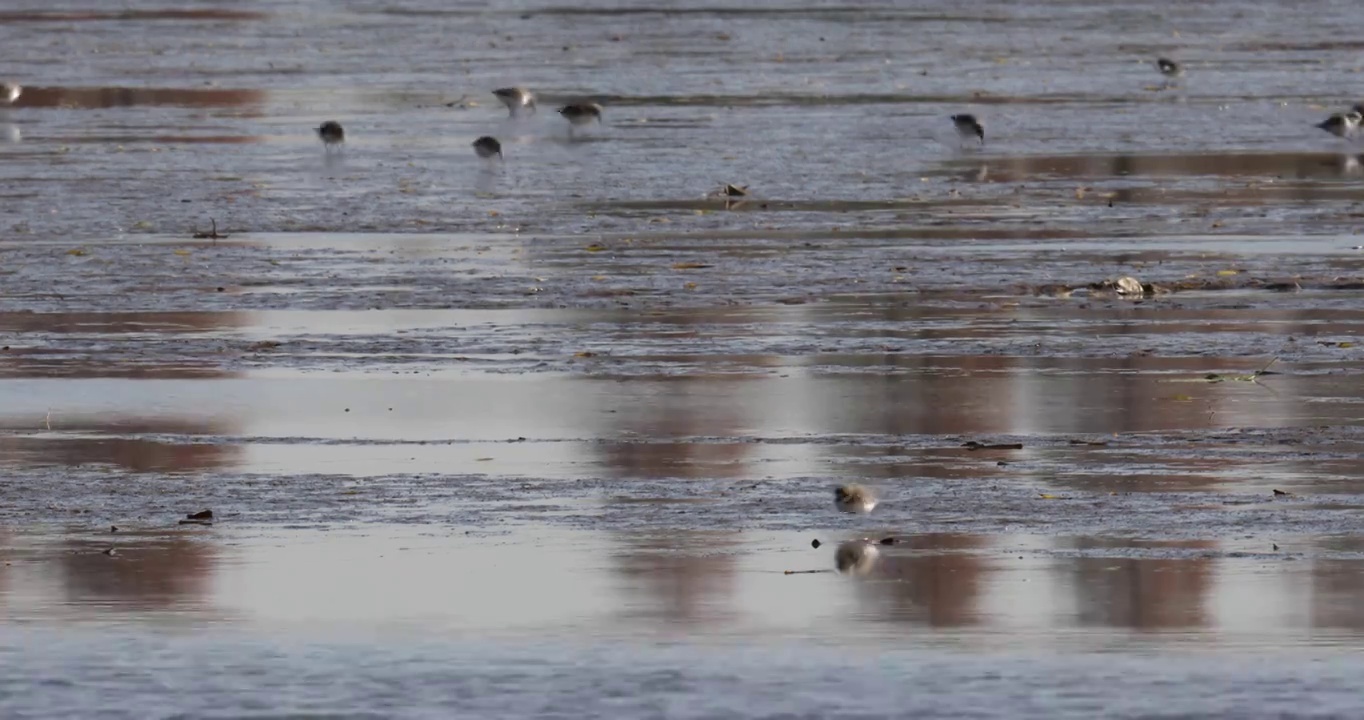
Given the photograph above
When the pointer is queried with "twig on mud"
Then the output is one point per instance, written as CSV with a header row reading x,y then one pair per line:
x,y
803,572
1217,377
211,234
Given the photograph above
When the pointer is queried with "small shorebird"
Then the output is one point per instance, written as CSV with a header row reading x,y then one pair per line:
x,y
1343,125
9,92
969,127
854,498
487,147
580,114
331,134
1169,68
516,99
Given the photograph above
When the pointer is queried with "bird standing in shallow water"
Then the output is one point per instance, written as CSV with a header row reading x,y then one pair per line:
x,y
331,134
9,92
969,127
1343,125
487,147
516,99
854,498
580,114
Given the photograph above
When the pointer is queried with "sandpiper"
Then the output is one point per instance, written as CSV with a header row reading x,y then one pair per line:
x,y
487,147
854,498
1344,125
969,127
580,114
331,134
1169,68
516,99
9,92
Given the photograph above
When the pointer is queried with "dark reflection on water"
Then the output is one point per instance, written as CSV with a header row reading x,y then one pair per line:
x,y
95,345
934,580
121,322
129,454
158,574
1337,586
684,407
1263,165
1146,593
662,585
116,97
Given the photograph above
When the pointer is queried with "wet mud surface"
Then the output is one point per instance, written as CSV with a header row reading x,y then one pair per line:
x,y
423,392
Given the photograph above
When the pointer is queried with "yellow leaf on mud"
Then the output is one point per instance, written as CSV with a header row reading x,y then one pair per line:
x,y
584,354
1046,496
1182,398
595,247
77,252
182,252
1228,273
690,266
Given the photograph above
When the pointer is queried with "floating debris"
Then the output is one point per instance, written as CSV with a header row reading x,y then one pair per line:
x,y
974,445
203,517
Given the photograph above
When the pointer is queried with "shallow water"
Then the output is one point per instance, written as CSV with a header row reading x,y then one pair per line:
x,y
514,437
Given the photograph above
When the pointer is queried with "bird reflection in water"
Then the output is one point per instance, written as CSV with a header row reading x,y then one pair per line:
x,y
856,558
